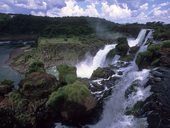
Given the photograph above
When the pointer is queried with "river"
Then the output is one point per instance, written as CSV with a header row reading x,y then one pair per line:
x,y
6,72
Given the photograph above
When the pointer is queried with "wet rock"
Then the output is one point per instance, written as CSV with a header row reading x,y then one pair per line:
x,y
157,106
133,50
122,47
102,73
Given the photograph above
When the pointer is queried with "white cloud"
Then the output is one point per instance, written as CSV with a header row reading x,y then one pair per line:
x,y
115,11
31,4
5,8
158,12
144,6
72,9
38,13
165,4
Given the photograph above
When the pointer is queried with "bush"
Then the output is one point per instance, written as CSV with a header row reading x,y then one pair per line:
x,y
7,82
166,44
36,67
67,74
76,93
15,97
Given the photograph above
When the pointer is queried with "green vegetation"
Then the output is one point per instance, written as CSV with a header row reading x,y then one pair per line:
x,y
76,92
36,67
67,74
6,82
15,97
122,47
152,55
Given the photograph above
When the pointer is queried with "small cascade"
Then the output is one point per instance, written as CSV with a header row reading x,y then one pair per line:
x,y
86,67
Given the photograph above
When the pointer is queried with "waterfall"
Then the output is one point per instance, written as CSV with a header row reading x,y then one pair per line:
x,y
114,109
113,115
139,39
86,67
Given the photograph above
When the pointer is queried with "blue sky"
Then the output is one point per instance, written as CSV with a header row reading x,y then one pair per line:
x,y
121,11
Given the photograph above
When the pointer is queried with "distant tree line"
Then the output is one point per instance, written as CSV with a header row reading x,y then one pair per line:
x,y
11,24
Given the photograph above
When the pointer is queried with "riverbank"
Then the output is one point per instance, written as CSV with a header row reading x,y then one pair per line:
x,y
56,51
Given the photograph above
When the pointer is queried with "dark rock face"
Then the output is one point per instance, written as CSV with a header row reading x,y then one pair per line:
x,y
102,73
157,107
165,57
38,84
122,47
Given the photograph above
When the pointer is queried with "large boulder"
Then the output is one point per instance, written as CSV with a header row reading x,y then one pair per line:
x,y
73,102
38,84
122,47
102,73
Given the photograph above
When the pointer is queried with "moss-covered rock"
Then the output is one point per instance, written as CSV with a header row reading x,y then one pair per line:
x,y
111,54
131,89
127,58
136,109
72,102
36,66
67,74
38,84
122,47
102,73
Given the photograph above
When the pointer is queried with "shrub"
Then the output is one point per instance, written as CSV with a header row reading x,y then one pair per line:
x,y
75,92
7,82
15,97
36,67
67,74
166,44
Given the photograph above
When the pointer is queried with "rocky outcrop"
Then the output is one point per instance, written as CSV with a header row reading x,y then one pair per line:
x,y
122,46
73,102
102,73
157,106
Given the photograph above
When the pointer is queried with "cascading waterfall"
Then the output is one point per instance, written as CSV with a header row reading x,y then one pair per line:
x,y
138,40
115,108
113,115
86,67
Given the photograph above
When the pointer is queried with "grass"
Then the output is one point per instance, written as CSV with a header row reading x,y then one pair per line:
x,y
57,40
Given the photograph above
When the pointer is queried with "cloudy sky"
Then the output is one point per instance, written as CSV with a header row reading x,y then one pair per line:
x,y
121,11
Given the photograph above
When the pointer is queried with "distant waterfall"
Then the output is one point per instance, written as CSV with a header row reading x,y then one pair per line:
x,y
86,67
139,39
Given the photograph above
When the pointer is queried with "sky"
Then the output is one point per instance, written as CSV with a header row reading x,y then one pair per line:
x,y
121,11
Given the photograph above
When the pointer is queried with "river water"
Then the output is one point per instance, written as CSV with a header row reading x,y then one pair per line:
x,y
6,72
